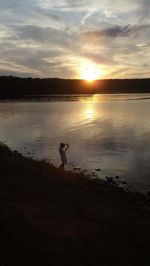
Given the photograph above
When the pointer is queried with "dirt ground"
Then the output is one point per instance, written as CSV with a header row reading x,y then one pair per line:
x,y
66,219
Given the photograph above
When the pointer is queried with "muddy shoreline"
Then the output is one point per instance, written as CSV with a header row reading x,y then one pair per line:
x,y
50,218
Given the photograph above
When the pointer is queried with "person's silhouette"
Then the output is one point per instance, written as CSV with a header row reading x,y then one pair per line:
x,y
62,150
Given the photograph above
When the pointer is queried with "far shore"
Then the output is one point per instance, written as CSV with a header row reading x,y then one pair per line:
x,y
16,87
68,219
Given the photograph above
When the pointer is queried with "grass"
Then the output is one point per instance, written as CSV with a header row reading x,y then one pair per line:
x,y
48,218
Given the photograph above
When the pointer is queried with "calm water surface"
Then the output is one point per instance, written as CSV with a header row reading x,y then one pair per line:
x,y
110,132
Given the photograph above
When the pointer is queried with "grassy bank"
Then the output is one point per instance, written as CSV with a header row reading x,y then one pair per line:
x,y
47,218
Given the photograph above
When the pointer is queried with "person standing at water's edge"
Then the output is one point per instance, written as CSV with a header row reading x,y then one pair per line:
x,y
62,150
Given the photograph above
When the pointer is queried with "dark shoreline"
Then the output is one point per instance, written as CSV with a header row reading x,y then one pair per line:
x,y
48,218
65,97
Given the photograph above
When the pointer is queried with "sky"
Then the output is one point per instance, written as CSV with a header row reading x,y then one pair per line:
x,y
66,38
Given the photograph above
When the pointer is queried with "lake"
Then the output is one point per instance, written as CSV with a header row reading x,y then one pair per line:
x,y
107,132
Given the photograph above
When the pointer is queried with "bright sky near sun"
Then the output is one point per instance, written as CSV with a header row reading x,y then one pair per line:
x,y
75,38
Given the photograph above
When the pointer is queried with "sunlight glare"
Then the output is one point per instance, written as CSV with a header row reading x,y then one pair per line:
x,y
89,71
89,112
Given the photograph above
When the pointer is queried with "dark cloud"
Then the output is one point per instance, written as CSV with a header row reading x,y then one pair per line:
x,y
32,59
41,34
62,39
118,31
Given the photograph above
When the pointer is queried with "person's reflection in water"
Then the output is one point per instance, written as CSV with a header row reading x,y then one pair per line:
x,y
62,150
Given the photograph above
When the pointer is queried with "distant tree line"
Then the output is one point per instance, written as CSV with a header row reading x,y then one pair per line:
x,y
15,87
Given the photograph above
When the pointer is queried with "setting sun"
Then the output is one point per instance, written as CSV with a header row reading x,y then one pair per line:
x,y
89,71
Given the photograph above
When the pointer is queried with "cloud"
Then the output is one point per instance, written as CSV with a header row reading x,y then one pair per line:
x,y
98,58
74,4
118,31
77,2
64,5
49,38
49,13
87,16
144,9
42,34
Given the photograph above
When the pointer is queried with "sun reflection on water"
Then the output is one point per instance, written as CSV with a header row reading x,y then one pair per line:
x,y
89,112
